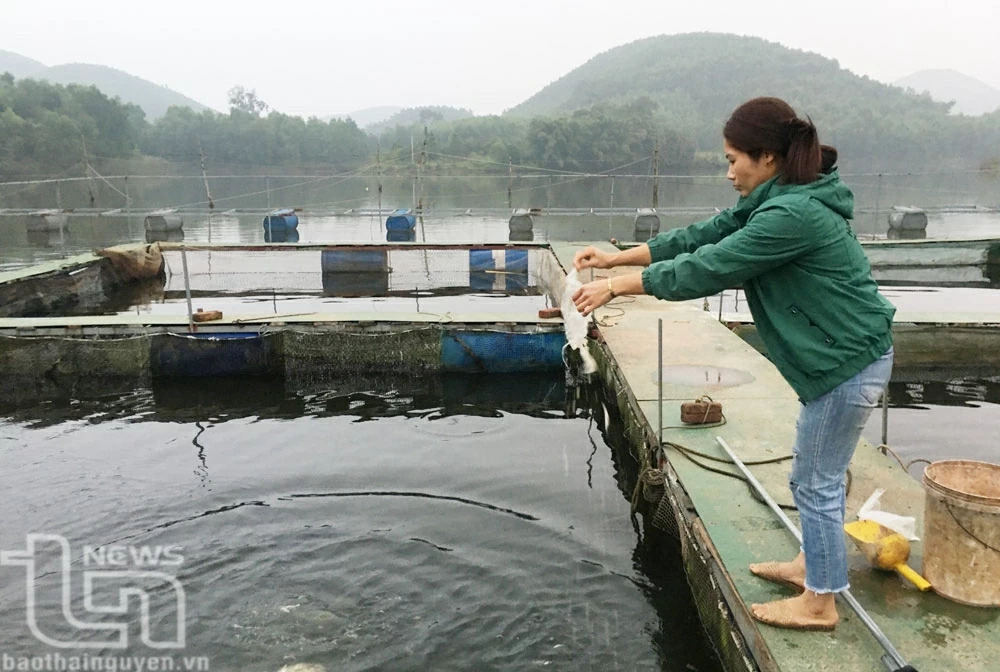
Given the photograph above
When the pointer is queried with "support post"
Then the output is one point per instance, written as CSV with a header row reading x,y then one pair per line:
x,y
187,288
656,174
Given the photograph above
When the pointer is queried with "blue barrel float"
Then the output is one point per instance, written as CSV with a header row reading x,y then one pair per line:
x,y
401,235
355,271
281,235
486,267
214,354
401,219
283,219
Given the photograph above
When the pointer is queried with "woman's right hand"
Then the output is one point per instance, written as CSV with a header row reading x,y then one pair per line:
x,y
591,257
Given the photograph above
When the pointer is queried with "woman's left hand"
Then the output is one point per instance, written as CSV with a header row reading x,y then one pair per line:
x,y
591,296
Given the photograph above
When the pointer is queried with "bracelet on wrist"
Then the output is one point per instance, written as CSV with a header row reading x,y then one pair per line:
x,y
611,289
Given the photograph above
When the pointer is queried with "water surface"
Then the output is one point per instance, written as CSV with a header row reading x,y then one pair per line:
x,y
445,523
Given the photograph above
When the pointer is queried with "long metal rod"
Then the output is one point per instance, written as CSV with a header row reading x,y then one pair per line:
x,y
885,415
846,595
187,288
659,383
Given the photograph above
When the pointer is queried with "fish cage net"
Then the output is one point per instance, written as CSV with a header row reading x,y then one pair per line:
x,y
37,368
40,368
667,515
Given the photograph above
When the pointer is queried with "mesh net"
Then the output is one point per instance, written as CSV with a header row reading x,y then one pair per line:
x,y
313,357
40,368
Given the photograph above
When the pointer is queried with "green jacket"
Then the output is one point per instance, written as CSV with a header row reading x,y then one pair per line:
x,y
808,282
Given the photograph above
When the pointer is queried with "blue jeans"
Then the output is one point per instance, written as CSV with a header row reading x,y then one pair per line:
x,y
826,434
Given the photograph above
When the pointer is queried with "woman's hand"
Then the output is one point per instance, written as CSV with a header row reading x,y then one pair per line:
x,y
591,257
592,295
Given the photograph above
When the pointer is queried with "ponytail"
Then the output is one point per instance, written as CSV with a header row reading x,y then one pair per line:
x,y
770,125
803,158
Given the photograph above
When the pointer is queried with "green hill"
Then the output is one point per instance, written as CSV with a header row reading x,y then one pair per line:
x,y
18,65
152,98
428,114
699,78
970,95
369,115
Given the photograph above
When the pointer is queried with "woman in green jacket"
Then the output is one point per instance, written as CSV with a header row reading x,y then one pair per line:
x,y
808,283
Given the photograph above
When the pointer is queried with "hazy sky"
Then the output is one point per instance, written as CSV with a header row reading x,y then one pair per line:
x,y
319,58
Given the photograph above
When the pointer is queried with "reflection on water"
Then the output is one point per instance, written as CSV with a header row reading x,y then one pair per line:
x,y
84,233
323,528
935,415
174,236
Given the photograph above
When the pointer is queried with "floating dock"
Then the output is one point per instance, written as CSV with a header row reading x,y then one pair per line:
x,y
722,528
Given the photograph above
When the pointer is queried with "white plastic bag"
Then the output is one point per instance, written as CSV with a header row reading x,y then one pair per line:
x,y
575,324
871,510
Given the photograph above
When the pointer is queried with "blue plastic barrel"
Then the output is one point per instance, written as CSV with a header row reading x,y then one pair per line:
x,y
354,260
402,218
284,218
401,235
361,283
281,235
514,269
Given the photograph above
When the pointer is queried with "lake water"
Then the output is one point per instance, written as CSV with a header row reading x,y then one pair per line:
x,y
84,233
440,523
386,524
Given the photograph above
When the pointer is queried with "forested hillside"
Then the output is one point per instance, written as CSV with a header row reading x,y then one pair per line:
x,y
699,78
47,128
671,92
152,98
968,94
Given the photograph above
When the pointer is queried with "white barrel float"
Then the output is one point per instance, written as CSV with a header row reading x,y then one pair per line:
x,y
962,531
175,236
907,218
47,220
521,221
166,219
906,234
647,224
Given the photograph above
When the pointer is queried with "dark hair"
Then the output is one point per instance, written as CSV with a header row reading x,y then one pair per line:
x,y
771,125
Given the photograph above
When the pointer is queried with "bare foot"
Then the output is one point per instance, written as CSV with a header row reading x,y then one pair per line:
x,y
808,611
791,574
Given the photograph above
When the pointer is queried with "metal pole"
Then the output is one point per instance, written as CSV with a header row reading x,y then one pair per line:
x,y
659,382
885,415
510,182
204,175
378,169
612,206
878,197
187,288
656,176
894,656
128,212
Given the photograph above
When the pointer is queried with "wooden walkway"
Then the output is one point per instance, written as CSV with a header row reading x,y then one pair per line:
x,y
728,529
